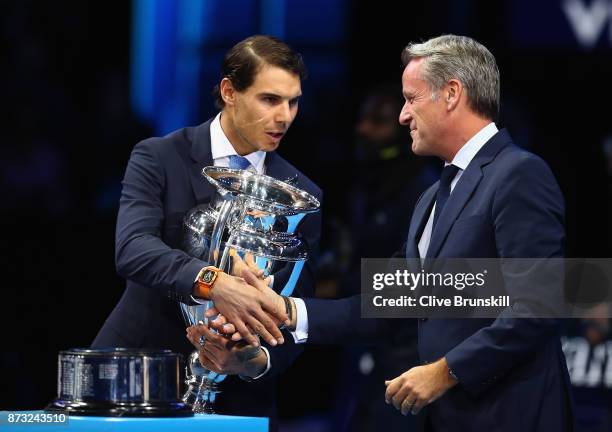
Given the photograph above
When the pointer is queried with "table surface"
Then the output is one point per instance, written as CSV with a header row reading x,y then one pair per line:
x,y
214,422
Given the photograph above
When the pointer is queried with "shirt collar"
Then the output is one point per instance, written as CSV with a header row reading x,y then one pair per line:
x,y
221,147
466,153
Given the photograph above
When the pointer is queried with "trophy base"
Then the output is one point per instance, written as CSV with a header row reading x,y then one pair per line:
x,y
201,399
121,409
203,408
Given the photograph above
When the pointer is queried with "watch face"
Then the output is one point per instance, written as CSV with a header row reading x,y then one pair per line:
x,y
208,276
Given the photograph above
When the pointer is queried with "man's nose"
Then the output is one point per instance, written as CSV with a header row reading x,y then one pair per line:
x,y
405,117
283,113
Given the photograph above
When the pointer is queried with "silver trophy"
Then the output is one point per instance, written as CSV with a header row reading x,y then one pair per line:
x,y
249,214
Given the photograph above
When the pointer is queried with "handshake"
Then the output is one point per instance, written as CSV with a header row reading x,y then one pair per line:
x,y
245,309
249,307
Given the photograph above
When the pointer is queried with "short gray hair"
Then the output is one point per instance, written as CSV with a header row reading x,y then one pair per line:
x,y
462,58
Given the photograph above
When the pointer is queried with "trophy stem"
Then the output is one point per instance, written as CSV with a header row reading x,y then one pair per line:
x,y
202,386
223,264
215,241
201,395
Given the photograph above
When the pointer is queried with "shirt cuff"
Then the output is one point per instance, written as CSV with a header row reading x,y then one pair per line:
x,y
267,365
199,300
300,335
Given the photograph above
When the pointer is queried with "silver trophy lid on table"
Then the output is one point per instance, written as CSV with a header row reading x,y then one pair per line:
x,y
119,382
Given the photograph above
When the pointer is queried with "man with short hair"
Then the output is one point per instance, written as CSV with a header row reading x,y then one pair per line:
x,y
258,96
494,200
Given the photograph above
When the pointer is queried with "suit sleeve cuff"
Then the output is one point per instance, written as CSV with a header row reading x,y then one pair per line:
x,y
464,376
300,335
451,372
188,277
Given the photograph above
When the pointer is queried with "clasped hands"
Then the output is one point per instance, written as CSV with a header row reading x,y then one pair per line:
x,y
247,302
253,308
224,356
250,308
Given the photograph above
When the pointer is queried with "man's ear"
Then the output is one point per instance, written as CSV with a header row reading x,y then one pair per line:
x,y
452,94
227,91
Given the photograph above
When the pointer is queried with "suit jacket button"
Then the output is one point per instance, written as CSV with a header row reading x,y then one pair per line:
x,y
422,319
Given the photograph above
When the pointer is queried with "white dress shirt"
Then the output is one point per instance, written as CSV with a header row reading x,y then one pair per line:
x,y
461,160
221,149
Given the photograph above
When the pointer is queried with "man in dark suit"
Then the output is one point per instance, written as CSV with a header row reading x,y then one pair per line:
x,y
258,97
494,200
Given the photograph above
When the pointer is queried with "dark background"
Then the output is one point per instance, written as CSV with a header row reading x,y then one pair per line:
x,y
69,121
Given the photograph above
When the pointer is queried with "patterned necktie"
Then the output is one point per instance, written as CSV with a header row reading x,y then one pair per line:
x,y
238,162
448,174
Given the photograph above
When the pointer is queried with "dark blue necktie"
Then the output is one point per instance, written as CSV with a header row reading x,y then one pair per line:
x,y
448,174
238,162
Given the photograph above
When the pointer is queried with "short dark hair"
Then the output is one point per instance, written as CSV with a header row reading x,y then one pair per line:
x,y
246,58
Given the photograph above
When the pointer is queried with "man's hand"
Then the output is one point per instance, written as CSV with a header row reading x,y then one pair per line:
x,y
239,266
227,357
419,386
224,325
250,307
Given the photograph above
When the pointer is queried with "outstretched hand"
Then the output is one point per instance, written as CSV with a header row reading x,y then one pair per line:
x,y
225,325
251,306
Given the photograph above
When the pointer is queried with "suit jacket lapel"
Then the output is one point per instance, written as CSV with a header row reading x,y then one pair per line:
x,y
464,189
457,200
419,219
201,156
276,168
